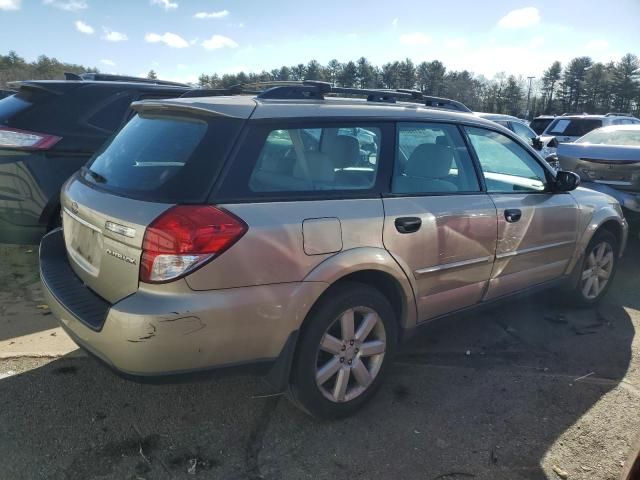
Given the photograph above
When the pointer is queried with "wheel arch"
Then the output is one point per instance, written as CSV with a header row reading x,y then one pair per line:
x,y
602,219
374,267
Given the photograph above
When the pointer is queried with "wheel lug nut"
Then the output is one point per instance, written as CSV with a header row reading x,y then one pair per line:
x,y
350,361
344,348
351,342
341,359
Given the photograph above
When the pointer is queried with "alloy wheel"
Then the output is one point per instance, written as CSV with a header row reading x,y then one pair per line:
x,y
350,354
597,270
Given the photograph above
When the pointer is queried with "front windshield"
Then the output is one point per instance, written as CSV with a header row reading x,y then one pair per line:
x,y
605,136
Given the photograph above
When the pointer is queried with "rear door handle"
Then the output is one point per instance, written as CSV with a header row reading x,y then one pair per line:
x,y
512,215
408,224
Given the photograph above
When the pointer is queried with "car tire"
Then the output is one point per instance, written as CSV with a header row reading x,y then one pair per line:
x,y
346,346
599,264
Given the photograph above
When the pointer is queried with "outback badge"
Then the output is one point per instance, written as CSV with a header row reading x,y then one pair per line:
x,y
120,256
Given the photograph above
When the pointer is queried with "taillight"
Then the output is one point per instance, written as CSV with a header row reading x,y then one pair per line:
x,y
185,237
24,140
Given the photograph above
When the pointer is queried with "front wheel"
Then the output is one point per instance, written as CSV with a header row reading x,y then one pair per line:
x,y
344,351
598,268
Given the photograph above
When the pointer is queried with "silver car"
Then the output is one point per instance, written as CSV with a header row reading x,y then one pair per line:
x,y
248,230
569,128
608,160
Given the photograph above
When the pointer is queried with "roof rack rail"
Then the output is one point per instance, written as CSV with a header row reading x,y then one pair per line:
x,y
107,77
316,90
237,89
72,76
446,103
618,114
573,114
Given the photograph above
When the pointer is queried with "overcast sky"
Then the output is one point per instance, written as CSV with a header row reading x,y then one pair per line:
x,y
180,39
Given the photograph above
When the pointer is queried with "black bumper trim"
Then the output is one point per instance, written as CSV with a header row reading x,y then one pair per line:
x,y
60,279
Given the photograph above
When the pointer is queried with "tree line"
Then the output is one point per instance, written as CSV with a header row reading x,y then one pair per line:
x,y
13,68
581,85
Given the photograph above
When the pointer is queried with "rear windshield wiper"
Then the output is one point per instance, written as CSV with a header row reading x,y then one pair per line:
x,y
96,176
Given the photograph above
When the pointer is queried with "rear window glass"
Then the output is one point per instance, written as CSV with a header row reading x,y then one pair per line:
x,y
110,116
573,127
11,105
164,157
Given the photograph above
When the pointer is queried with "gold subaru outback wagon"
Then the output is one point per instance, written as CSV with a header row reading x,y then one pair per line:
x,y
309,233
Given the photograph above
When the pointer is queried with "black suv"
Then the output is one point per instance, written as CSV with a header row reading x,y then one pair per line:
x,y
48,130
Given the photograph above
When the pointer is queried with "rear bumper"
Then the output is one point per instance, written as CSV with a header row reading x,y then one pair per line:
x,y
156,333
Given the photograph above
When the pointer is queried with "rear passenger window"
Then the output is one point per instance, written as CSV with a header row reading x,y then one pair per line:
x,y
432,158
311,159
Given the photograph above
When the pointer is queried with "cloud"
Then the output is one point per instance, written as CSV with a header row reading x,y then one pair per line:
x,y
597,44
84,27
455,43
394,23
113,36
415,39
166,4
536,42
170,39
68,5
7,5
106,61
220,14
520,18
219,41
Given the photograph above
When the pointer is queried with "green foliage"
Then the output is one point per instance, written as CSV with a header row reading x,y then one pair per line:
x,y
13,68
581,86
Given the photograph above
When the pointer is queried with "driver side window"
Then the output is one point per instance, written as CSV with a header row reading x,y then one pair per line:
x,y
506,166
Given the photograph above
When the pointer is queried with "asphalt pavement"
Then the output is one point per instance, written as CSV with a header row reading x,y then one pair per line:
x,y
529,389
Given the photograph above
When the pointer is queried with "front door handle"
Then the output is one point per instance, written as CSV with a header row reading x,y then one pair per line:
x,y
512,215
408,224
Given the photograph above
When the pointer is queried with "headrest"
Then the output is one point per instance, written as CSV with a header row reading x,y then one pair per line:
x,y
345,151
430,160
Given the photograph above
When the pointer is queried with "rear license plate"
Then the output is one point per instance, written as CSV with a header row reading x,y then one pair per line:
x,y
84,243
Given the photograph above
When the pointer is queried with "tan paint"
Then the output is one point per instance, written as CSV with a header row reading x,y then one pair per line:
x,y
540,243
159,331
272,250
456,229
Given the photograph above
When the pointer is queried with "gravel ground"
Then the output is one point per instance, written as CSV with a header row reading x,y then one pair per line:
x,y
531,389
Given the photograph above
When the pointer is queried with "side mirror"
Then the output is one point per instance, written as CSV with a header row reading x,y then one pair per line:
x,y
566,181
537,143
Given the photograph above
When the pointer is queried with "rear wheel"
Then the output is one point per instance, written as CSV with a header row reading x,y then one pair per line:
x,y
344,351
598,268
